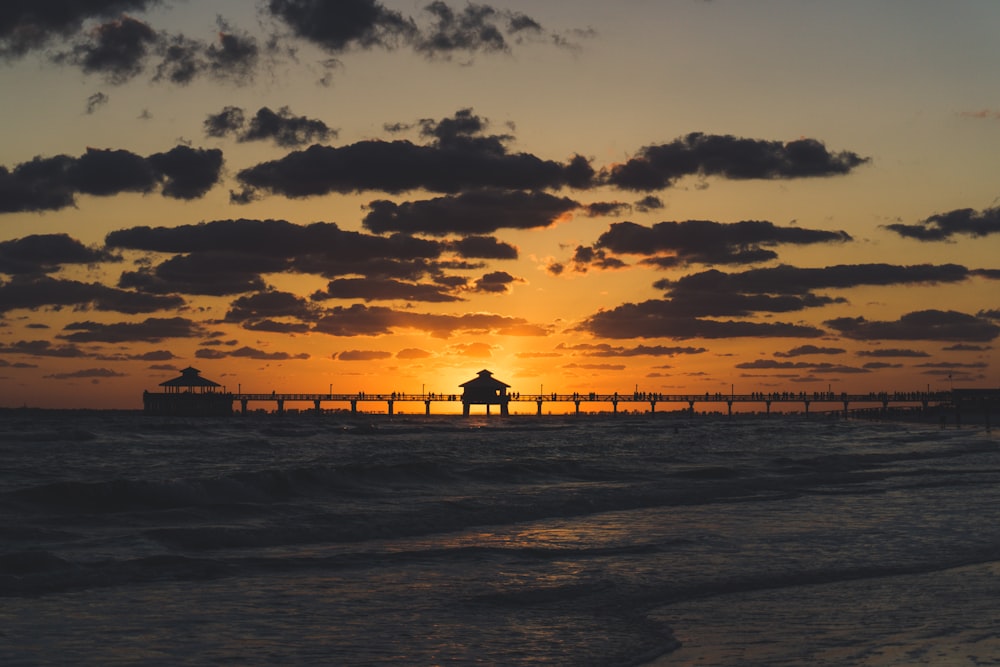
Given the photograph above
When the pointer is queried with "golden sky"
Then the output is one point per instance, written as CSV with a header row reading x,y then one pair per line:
x,y
679,196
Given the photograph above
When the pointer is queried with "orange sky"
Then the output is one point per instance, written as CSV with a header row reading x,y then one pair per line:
x,y
385,196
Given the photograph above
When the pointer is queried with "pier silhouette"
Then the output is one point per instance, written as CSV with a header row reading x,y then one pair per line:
x,y
192,395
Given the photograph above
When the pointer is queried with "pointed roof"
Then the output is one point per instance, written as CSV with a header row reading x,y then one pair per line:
x,y
485,379
190,377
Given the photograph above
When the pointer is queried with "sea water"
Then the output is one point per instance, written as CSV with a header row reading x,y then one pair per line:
x,y
332,539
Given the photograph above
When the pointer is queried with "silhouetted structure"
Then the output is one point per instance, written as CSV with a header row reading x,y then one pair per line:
x,y
188,395
485,390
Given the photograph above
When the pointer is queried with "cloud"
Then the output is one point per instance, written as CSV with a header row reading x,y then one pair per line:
x,y
282,126
483,247
596,367
362,355
26,27
606,208
942,227
606,350
804,350
47,253
384,289
151,330
117,49
496,282
657,167
259,311
787,279
476,212
360,24
43,348
96,101
249,353
460,159
883,353
37,292
941,325
411,353
360,320
86,373
229,256
670,244
474,350
660,319
46,184
771,364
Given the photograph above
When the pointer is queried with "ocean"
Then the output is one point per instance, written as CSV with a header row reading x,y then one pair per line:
x,y
559,540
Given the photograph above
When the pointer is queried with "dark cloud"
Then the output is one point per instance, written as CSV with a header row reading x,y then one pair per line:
x,y
151,330
804,350
812,367
599,209
46,253
456,160
155,355
282,126
53,183
362,355
649,203
883,353
38,292
43,348
249,353
372,289
475,212
941,325
942,227
483,247
28,26
359,320
86,373
707,242
606,350
496,282
337,26
265,306
795,280
117,49
229,256
96,101
961,347
661,319
658,167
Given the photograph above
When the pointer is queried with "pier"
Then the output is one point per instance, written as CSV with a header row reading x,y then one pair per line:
x,y
644,401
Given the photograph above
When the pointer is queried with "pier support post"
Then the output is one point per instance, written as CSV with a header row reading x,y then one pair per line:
x,y
243,405
354,406
691,407
391,406
846,413
885,409
807,408
281,406
427,407
577,403
652,407
730,404
614,407
316,405
539,403
768,405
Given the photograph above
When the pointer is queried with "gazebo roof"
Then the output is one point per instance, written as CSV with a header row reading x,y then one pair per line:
x,y
190,377
485,379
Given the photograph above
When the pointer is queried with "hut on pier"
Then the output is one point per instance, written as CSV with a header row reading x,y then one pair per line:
x,y
188,395
485,390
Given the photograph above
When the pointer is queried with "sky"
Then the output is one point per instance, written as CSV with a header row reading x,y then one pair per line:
x,y
671,196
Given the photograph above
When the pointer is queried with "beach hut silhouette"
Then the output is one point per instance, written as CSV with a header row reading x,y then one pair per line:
x,y
188,395
485,390
190,380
